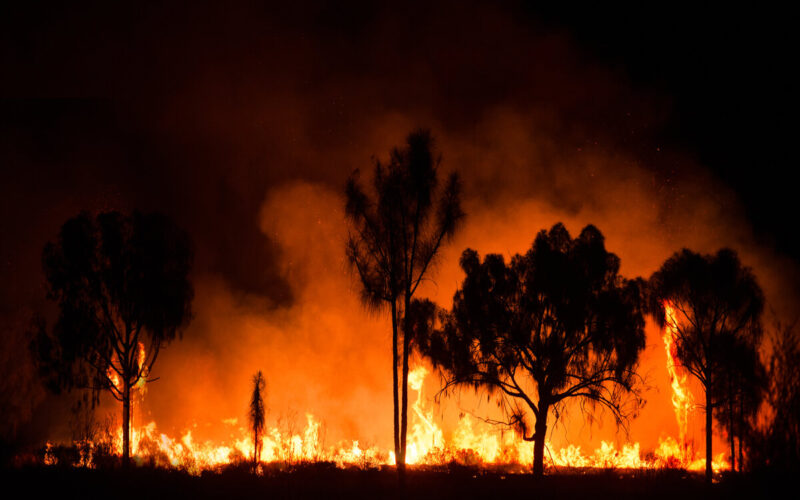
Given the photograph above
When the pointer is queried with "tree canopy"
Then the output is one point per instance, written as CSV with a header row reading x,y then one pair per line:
x,y
121,283
556,323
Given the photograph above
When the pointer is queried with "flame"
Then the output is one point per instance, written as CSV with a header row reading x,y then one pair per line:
x,y
682,401
426,437
472,442
142,357
115,367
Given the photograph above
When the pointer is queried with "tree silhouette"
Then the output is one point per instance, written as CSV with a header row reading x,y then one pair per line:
x,y
739,389
257,414
121,284
554,324
395,236
714,297
778,441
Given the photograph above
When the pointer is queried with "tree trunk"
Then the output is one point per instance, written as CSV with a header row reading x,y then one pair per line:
x,y
255,448
731,425
126,422
396,398
404,385
741,431
404,390
540,432
709,471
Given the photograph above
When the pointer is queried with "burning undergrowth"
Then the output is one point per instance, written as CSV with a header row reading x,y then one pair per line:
x,y
473,444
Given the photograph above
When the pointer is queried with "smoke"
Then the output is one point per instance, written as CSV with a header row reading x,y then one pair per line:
x,y
324,354
243,126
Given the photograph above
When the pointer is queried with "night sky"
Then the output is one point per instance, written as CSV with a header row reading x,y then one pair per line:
x,y
205,112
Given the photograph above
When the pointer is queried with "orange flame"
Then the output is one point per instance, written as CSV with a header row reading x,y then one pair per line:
x,y
114,367
472,442
682,400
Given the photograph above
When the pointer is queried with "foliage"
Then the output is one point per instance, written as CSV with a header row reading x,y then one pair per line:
x,y
121,283
777,443
740,387
396,233
553,324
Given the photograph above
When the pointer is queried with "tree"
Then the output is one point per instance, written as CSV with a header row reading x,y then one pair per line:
x,y
713,296
121,283
395,236
778,440
257,414
739,389
553,325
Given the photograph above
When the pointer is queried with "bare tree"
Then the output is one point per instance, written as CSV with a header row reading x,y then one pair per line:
x,y
713,297
122,286
257,414
395,236
553,325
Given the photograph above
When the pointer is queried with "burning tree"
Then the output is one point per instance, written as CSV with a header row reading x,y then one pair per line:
x,y
257,414
121,284
712,298
394,239
554,324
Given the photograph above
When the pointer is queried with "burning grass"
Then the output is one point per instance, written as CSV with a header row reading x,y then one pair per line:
x,y
473,444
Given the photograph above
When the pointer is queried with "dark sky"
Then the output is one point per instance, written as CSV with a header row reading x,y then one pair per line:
x,y
87,86
733,93
197,110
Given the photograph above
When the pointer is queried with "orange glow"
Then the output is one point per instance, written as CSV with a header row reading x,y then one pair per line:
x,y
472,442
115,368
682,400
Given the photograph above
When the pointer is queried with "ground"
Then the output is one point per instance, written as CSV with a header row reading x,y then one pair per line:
x,y
320,481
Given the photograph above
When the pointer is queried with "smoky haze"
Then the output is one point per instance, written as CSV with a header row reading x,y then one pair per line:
x,y
243,123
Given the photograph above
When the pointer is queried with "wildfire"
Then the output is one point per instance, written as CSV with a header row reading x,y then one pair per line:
x,y
682,400
425,436
115,369
472,442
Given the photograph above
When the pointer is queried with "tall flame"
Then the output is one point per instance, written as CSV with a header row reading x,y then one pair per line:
x,y
426,436
682,401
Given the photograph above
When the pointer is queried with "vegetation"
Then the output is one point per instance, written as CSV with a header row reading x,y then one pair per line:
x,y
776,443
121,283
395,236
257,414
554,324
740,384
718,302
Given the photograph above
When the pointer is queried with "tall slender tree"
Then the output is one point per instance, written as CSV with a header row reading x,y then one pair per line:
x,y
122,286
396,233
714,297
554,325
257,414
